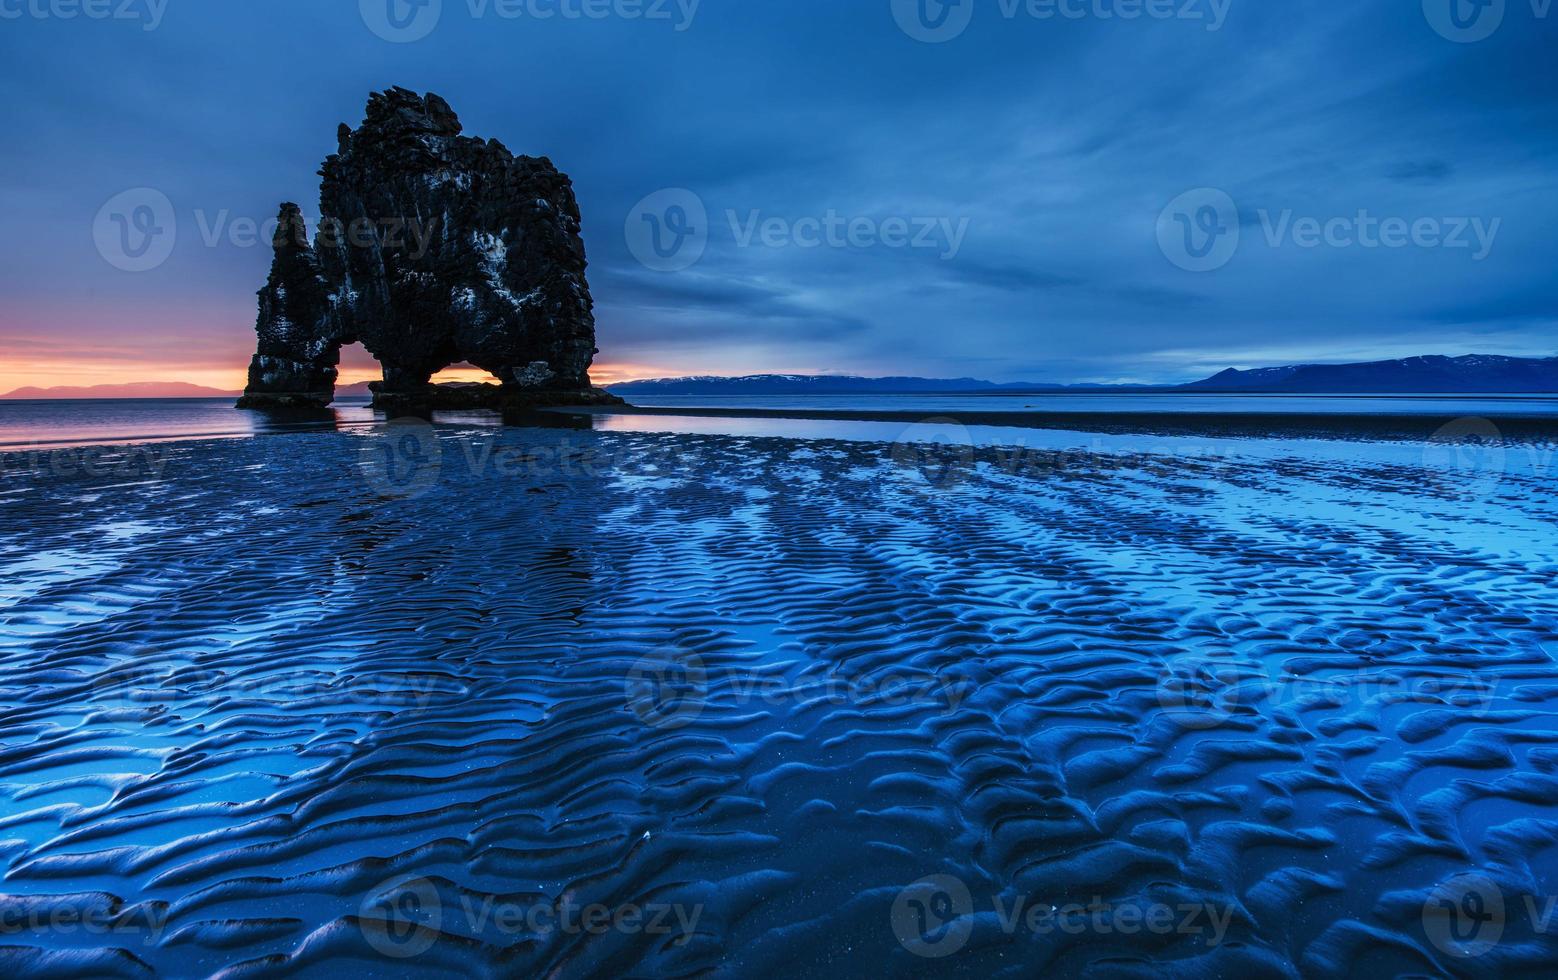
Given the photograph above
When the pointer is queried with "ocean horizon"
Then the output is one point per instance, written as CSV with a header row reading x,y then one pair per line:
x,y
79,422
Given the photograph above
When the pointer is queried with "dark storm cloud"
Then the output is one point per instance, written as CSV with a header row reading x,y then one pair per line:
x,y
721,296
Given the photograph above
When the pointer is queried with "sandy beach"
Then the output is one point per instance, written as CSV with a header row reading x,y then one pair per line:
x,y
638,703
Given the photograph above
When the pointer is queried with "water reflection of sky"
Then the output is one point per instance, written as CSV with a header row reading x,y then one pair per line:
x,y
1540,461
1485,405
53,425
106,421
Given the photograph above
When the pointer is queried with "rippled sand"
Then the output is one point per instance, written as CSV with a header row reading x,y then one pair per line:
x,y
602,704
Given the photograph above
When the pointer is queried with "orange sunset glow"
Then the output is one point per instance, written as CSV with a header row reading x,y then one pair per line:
x,y
206,345
85,370
36,359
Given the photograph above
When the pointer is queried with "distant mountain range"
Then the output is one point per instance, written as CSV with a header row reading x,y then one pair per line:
x,y
1473,374
810,384
138,389
152,389
1479,374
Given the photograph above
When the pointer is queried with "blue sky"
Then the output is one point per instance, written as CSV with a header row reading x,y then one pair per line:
x,y
1001,177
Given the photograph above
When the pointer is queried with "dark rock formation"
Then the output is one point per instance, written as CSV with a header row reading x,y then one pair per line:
x,y
299,347
433,249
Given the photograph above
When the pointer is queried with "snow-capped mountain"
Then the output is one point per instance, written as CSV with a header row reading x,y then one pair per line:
x,y
1472,374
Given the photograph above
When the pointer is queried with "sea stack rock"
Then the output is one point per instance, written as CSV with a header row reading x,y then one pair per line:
x,y
432,249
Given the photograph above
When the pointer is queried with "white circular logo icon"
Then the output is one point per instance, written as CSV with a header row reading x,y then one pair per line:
x,y
402,458
1470,451
668,689
1464,917
401,21
136,231
401,919
137,685
933,917
936,453
1465,21
933,21
668,231
1199,230
1201,692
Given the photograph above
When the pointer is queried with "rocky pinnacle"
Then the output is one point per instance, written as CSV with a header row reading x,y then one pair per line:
x,y
433,248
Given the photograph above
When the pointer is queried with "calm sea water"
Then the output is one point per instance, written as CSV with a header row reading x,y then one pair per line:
x,y
73,422
1484,405
63,423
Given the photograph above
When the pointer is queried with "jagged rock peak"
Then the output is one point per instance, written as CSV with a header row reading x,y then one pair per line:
x,y
433,248
403,110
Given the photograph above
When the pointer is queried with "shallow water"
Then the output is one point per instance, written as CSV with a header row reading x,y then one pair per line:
x,y
415,701
1487,406
113,420
106,421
